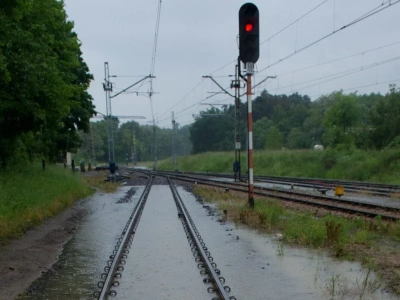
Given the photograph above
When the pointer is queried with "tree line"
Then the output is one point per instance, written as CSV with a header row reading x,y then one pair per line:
x,y
337,120
43,82
132,137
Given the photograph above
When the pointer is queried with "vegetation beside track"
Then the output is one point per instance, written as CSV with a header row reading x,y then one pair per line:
x,y
373,242
30,195
375,166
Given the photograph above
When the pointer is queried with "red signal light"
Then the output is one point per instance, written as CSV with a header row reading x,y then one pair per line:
x,y
248,27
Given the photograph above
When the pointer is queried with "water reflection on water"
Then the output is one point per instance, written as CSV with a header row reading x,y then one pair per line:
x,y
259,267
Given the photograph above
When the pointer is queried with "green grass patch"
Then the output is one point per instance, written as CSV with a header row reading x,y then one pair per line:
x,y
304,227
375,166
30,195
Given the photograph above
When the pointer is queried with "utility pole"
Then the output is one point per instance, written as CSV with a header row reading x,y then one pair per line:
x,y
154,146
236,85
133,150
174,142
93,156
107,86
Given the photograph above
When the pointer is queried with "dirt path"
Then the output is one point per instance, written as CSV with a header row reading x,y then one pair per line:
x,y
24,260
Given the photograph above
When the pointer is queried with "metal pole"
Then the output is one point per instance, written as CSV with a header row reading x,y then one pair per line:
x,y
174,142
236,121
107,88
249,72
133,146
154,145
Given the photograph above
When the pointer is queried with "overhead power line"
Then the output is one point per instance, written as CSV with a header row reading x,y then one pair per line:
x,y
339,59
363,86
183,98
275,34
341,74
372,12
294,22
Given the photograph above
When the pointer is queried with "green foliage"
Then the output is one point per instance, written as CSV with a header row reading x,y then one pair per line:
x,y
337,120
341,119
274,139
129,137
30,195
260,130
375,166
43,80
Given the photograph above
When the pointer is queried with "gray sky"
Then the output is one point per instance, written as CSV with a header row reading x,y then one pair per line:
x,y
198,37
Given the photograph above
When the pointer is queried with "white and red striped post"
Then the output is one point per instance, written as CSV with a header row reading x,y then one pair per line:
x,y
249,72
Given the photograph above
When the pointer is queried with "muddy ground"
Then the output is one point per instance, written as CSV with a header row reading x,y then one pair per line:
x,y
24,260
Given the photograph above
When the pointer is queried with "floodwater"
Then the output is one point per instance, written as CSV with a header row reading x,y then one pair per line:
x,y
260,267
84,257
160,264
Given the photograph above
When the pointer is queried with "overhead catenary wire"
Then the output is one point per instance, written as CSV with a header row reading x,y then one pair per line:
x,y
359,19
340,74
274,35
183,98
153,57
294,22
338,59
361,86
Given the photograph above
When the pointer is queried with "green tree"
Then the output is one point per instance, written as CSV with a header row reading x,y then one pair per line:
x,y
260,131
274,140
385,121
298,139
341,120
43,80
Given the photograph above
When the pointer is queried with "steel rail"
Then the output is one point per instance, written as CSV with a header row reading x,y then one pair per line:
x,y
308,202
365,186
299,193
127,234
194,232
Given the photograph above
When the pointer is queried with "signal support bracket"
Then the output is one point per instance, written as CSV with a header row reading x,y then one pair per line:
x,y
249,68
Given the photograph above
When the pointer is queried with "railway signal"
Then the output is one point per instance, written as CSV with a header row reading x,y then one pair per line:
x,y
249,33
249,52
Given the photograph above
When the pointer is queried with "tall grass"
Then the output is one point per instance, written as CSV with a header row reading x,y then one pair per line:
x,y
303,227
377,166
29,196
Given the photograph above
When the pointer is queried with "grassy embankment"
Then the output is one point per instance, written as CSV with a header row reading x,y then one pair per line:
x,y
375,243
376,166
29,196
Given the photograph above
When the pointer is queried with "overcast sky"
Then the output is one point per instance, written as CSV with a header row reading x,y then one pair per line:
x,y
197,38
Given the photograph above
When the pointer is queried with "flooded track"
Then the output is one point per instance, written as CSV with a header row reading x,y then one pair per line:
x,y
161,264
349,206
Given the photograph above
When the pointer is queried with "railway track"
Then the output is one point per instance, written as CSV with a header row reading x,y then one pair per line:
x,y
378,189
327,202
202,256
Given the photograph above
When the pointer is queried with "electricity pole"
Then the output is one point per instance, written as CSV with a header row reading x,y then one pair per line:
x,y
133,150
236,85
107,86
174,142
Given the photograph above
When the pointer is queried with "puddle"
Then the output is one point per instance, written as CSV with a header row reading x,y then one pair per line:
x,y
84,257
258,266
160,264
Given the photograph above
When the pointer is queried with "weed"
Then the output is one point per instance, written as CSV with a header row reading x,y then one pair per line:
x,y
333,232
280,251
